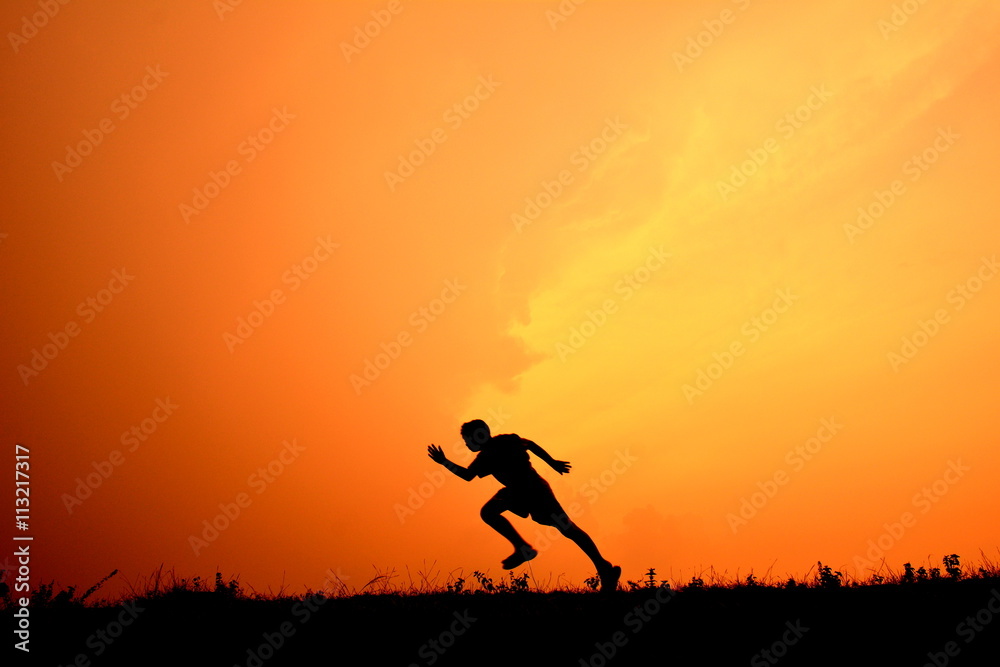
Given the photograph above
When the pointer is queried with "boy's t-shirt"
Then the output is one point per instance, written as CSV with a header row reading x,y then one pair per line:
x,y
506,458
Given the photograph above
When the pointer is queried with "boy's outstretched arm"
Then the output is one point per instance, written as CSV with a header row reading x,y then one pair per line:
x,y
559,466
437,455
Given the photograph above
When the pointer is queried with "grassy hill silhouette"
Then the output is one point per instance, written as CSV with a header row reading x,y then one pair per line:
x,y
916,616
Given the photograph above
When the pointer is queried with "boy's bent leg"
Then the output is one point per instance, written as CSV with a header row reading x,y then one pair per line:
x,y
491,513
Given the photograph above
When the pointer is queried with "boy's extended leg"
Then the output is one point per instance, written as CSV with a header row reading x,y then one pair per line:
x,y
609,574
491,513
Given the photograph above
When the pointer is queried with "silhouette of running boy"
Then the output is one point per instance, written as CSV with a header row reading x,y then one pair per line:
x,y
525,493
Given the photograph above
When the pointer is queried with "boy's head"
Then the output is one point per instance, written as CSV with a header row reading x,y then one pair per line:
x,y
475,433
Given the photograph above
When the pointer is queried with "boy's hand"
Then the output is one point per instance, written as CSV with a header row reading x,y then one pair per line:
x,y
560,466
436,454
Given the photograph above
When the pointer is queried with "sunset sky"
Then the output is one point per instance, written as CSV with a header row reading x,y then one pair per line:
x,y
737,261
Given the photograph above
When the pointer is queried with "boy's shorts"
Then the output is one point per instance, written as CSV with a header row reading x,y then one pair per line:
x,y
536,500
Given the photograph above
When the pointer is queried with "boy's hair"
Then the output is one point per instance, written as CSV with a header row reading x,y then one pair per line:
x,y
477,430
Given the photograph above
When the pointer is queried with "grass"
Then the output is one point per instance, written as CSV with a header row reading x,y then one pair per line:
x,y
892,616
429,581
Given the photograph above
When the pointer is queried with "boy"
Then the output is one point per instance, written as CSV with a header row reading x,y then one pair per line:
x,y
525,493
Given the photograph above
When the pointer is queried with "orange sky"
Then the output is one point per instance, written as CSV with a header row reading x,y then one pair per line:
x,y
734,260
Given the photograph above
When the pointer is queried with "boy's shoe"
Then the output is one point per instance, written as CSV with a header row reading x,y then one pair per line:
x,y
522,555
609,578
